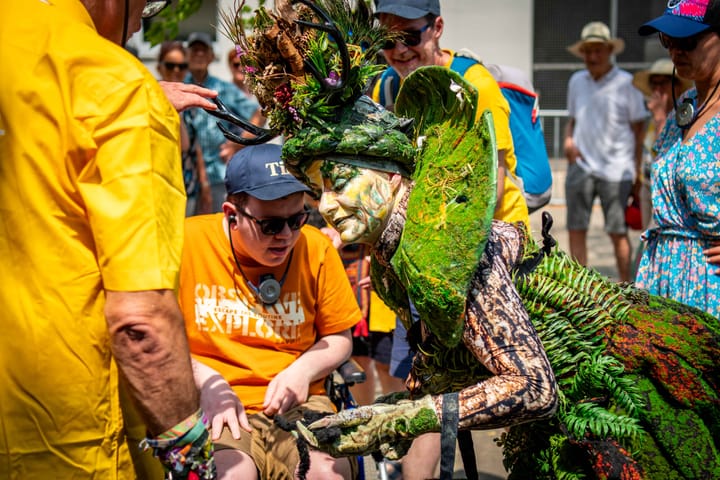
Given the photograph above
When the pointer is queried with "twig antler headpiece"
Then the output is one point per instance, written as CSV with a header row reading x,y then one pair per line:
x,y
308,63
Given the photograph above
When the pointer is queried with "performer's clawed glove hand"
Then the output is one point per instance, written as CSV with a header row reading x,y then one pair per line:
x,y
370,428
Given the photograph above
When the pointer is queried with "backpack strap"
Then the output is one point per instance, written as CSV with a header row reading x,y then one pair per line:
x,y
461,64
389,88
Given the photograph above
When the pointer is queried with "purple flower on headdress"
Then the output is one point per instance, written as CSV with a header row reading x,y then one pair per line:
x,y
333,79
250,69
293,112
239,51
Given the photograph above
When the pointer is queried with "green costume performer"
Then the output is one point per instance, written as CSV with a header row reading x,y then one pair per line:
x,y
592,379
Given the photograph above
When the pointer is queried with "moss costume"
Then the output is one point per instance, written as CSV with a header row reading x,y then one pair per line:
x,y
593,379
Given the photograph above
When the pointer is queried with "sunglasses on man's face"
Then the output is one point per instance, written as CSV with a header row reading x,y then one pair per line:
x,y
175,66
153,7
409,38
275,225
687,44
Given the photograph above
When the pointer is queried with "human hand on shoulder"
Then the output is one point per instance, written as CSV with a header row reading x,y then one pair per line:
x,y
185,95
333,235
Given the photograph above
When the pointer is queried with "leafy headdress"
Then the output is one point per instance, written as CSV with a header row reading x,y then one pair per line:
x,y
309,64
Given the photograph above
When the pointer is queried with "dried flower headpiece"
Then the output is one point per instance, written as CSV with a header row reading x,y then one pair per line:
x,y
308,63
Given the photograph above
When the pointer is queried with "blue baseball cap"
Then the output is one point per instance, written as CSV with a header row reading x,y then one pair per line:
x,y
410,9
259,171
685,18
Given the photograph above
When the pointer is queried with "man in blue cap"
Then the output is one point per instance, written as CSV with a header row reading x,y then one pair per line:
x,y
268,312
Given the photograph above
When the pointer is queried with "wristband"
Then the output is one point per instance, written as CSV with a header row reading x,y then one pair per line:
x,y
185,450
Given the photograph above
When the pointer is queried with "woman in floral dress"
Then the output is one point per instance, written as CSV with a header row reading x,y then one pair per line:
x,y
683,251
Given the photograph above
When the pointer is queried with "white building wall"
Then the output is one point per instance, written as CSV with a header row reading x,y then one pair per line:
x,y
498,32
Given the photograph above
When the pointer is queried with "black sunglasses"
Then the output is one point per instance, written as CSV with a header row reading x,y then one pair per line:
x,y
153,7
687,44
175,66
275,225
236,64
409,38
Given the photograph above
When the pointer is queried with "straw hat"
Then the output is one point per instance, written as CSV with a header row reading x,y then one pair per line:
x,y
596,32
662,66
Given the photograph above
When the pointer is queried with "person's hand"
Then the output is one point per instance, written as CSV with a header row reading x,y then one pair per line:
x,y
186,95
223,407
288,389
571,151
366,429
333,235
204,200
713,255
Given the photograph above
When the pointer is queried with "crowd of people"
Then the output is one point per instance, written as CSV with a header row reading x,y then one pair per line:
x,y
175,283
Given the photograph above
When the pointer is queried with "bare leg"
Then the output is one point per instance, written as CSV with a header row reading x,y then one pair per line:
x,y
578,246
325,467
234,464
364,393
422,459
621,244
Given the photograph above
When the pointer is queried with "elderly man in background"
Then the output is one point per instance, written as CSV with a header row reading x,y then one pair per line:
x,y
603,143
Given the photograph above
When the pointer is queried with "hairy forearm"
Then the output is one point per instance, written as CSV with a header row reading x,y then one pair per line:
x,y
150,347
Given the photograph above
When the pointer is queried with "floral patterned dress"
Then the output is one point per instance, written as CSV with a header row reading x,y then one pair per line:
x,y
686,207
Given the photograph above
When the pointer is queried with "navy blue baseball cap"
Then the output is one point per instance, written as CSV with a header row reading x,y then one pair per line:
x,y
259,171
685,18
410,9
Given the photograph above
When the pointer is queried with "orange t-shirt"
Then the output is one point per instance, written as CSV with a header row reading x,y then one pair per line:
x,y
247,342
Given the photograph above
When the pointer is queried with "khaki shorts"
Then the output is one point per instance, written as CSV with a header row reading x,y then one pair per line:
x,y
274,450
581,189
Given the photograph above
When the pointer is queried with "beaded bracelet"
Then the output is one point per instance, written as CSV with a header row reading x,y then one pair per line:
x,y
185,450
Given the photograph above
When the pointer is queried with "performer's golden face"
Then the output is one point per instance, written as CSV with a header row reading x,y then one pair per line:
x,y
356,201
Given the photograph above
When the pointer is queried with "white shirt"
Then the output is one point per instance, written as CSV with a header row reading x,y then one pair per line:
x,y
604,111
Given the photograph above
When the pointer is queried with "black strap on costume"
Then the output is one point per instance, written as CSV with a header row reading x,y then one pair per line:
x,y
448,435
467,452
549,243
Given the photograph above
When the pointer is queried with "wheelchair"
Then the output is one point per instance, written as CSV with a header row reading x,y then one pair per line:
x,y
337,386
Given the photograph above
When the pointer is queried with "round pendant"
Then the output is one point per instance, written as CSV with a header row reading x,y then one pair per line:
x,y
685,114
269,290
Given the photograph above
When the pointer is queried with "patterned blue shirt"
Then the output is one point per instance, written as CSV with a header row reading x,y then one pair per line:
x,y
203,127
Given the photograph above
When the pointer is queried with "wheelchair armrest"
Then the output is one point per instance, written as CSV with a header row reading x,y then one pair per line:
x,y
351,372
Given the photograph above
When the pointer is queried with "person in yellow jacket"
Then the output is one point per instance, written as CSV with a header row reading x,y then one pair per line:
x,y
92,203
422,27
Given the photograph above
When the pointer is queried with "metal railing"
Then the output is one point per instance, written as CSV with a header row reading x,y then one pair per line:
x,y
553,126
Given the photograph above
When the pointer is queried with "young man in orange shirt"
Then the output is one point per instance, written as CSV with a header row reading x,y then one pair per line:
x,y
268,311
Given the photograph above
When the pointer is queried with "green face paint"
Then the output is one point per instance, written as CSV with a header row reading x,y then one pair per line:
x,y
355,201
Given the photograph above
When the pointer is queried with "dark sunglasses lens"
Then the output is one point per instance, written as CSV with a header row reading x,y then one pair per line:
x,y
685,44
412,39
388,45
176,66
272,226
297,221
